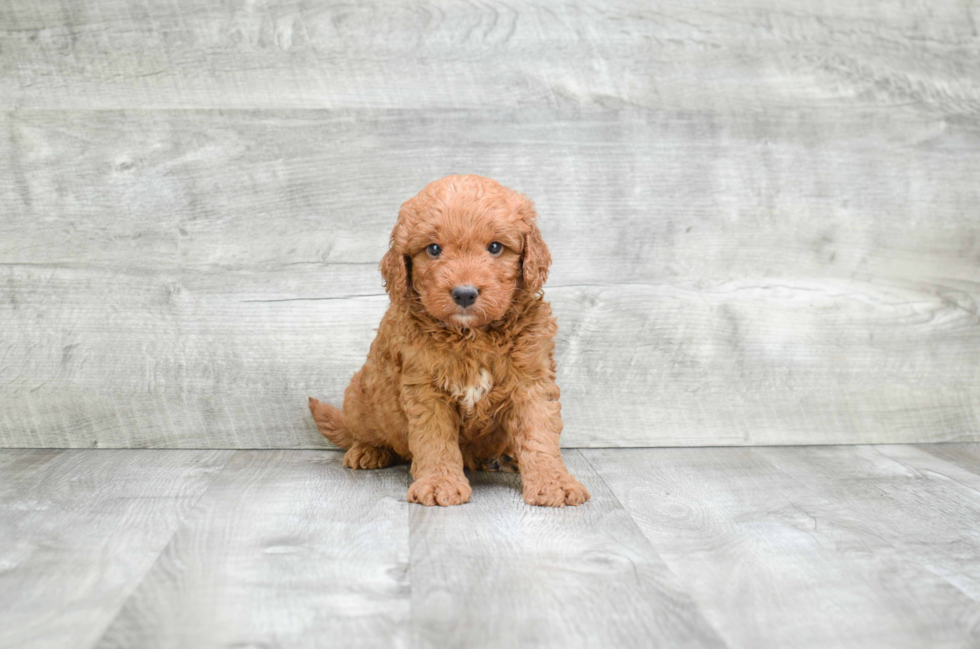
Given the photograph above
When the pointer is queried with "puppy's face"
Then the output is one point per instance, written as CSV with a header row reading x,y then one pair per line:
x,y
467,267
465,247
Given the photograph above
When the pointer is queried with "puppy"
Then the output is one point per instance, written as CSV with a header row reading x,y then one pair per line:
x,y
462,370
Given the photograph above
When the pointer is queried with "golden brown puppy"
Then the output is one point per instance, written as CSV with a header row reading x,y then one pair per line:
x,y
462,368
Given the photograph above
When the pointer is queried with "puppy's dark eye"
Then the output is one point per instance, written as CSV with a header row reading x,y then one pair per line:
x,y
434,250
495,248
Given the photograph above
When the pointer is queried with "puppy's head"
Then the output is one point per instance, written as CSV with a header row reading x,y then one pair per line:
x,y
466,248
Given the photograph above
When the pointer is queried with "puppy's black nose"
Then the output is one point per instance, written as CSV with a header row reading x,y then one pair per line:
x,y
465,295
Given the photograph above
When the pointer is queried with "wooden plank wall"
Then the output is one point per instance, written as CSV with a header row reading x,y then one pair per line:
x,y
765,216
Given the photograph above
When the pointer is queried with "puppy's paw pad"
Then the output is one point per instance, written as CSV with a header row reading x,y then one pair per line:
x,y
364,456
443,491
555,493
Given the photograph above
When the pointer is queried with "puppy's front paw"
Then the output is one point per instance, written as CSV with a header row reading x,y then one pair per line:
x,y
554,491
440,490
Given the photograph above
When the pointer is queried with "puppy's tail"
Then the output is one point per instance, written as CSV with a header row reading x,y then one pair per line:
x,y
330,421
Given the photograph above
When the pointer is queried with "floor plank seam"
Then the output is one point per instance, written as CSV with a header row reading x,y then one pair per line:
x,y
911,555
969,467
857,546
677,579
916,556
927,472
170,540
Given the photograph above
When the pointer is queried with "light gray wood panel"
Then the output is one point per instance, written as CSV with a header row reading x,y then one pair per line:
x,y
176,278
80,529
958,491
185,362
959,463
499,573
286,549
927,508
965,456
206,368
625,196
773,563
717,55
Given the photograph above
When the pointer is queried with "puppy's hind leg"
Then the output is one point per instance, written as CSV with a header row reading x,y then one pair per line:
x,y
360,455
365,456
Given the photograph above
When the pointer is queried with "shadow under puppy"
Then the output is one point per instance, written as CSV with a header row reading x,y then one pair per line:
x,y
462,369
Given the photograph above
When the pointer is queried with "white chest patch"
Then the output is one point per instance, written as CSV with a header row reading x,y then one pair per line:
x,y
471,394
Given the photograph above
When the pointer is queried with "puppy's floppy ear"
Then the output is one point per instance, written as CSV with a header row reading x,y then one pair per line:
x,y
396,265
535,258
395,273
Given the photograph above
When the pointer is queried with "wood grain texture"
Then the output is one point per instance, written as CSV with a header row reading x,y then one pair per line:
x,y
286,549
886,487
759,548
80,529
187,279
760,55
763,218
772,562
499,573
965,456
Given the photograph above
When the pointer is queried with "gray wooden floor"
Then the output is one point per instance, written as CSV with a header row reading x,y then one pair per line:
x,y
839,546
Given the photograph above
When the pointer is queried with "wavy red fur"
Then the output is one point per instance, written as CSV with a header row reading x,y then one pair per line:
x,y
447,386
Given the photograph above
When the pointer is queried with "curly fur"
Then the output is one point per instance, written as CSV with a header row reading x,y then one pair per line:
x,y
446,387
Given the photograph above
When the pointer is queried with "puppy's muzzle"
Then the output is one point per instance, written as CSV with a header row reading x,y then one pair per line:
x,y
464,296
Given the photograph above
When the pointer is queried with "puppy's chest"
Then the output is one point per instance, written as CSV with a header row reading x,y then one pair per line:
x,y
474,392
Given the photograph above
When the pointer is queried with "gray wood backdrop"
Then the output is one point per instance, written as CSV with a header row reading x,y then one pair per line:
x,y
765,216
